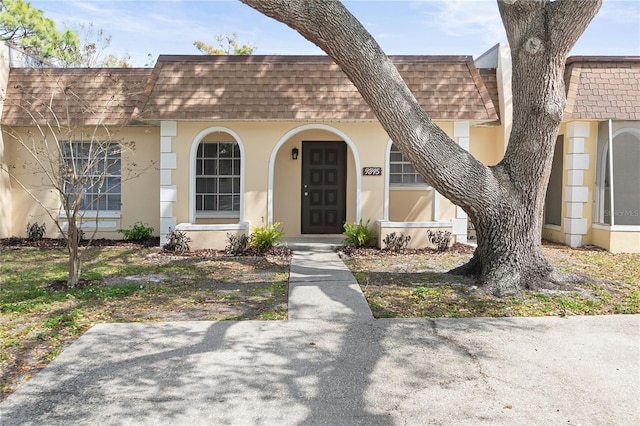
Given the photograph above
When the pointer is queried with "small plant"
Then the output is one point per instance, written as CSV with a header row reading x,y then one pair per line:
x,y
139,232
440,239
236,244
263,239
396,242
358,234
178,242
36,232
282,251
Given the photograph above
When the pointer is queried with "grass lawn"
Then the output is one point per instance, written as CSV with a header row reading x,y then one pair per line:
x,y
415,285
38,317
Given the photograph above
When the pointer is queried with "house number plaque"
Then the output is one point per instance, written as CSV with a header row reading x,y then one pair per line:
x,y
372,171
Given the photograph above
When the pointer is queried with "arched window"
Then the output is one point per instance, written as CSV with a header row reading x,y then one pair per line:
x,y
218,179
618,178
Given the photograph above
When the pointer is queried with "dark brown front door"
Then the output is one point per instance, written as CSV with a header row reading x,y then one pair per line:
x,y
324,192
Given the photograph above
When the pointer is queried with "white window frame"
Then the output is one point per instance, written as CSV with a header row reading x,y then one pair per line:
x,y
606,153
405,164
235,174
90,211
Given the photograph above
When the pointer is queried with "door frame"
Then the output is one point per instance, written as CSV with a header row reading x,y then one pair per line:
x,y
355,157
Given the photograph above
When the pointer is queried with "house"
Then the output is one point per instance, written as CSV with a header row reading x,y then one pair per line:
x,y
234,142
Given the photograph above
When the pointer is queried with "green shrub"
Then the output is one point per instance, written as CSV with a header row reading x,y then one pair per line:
x,y
396,242
236,244
178,242
35,232
359,234
265,238
139,232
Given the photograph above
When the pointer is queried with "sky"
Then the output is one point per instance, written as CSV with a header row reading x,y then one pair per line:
x,y
141,28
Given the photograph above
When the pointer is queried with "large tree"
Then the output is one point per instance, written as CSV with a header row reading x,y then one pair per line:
x,y
505,201
27,27
226,45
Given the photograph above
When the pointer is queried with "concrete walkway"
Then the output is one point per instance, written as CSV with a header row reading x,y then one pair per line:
x,y
332,364
322,287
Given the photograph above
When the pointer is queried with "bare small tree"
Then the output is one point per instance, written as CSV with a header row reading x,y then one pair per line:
x,y
76,156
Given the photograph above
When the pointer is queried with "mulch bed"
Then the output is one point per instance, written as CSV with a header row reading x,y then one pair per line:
x,y
59,242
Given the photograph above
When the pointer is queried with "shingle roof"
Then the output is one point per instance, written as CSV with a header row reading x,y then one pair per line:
x,y
76,96
603,88
304,88
490,80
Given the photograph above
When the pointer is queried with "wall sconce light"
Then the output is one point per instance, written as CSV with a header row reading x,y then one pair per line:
x,y
294,153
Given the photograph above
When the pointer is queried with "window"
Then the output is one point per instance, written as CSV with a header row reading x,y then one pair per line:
x,y
93,174
618,174
402,172
553,199
217,178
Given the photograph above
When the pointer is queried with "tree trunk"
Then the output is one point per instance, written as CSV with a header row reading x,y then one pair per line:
x,y
509,255
505,202
75,264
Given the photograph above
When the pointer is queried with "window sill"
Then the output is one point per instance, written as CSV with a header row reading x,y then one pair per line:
x,y
616,228
92,214
395,187
217,215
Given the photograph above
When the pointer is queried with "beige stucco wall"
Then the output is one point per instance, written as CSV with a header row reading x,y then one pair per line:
x,y
411,205
140,197
259,140
5,184
617,241
485,144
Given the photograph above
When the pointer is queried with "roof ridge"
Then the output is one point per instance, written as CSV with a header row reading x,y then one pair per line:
x,y
303,58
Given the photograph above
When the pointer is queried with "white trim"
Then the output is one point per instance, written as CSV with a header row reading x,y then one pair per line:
x,y
192,162
105,214
387,184
168,128
166,208
552,227
165,177
218,215
577,161
573,240
578,129
576,194
289,135
439,224
406,187
165,143
612,207
575,226
168,193
616,228
575,177
90,225
212,227
168,160
436,205
461,129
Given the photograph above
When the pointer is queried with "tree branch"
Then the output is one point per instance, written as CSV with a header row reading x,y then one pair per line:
x,y
434,154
